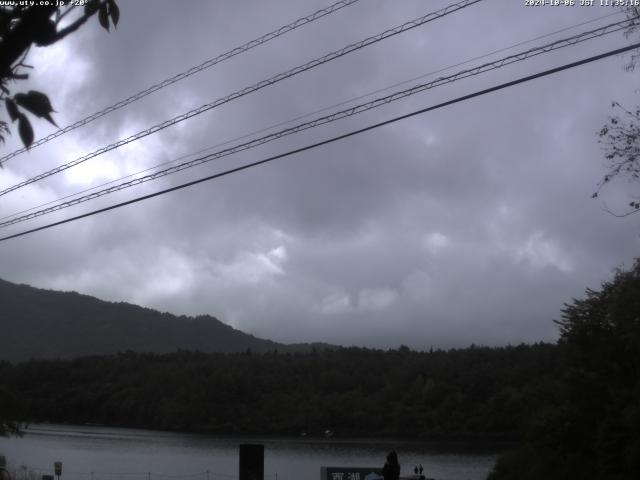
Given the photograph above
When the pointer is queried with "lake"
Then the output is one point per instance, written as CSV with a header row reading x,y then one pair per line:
x,y
101,453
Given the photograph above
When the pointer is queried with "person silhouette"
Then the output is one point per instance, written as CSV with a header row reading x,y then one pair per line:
x,y
391,469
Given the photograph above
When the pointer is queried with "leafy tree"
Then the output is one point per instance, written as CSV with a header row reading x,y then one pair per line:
x,y
21,27
602,336
621,141
620,136
594,430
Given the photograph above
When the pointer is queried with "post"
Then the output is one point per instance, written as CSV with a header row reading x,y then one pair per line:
x,y
251,462
4,475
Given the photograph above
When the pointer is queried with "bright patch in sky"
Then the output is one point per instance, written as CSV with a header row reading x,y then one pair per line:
x,y
540,252
370,300
254,267
434,242
335,304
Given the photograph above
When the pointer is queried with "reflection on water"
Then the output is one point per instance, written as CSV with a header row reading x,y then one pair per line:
x,y
102,453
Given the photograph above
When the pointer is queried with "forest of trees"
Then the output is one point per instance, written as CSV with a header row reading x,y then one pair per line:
x,y
352,391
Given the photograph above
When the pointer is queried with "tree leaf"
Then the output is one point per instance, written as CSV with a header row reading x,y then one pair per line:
x,y
91,7
103,16
12,109
37,103
45,34
4,130
114,12
25,130
40,99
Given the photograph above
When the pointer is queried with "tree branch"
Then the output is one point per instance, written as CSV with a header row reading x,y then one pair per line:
x,y
619,215
19,39
60,16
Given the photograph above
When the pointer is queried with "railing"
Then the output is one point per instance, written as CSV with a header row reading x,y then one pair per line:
x,y
34,473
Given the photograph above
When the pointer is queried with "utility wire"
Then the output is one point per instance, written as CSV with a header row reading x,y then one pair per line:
x,y
187,73
247,90
518,57
306,115
333,139
360,97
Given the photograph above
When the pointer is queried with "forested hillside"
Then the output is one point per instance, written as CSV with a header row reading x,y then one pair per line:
x,y
37,323
350,391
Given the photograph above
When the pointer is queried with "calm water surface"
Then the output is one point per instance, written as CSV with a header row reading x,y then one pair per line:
x,y
101,453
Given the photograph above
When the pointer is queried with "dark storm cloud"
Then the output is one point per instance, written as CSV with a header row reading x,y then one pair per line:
x,y
469,224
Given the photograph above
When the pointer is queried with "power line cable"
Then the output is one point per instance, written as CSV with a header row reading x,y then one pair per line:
x,y
187,73
518,57
332,139
258,86
306,115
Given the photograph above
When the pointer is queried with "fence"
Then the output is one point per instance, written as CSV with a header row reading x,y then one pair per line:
x,y
34,473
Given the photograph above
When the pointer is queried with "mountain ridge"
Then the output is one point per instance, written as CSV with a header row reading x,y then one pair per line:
x,y
41,323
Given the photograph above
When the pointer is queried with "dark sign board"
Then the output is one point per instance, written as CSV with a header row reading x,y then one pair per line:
x,y
251,462
47,477
350,473
57,468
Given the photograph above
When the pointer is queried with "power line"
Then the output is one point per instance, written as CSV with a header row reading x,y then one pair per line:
x,y
389,87
187,73
518,57
306,115
324,109
258,86
332,139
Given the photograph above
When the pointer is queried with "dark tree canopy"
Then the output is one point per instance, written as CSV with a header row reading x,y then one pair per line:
x,y
594,431
477,392
21,27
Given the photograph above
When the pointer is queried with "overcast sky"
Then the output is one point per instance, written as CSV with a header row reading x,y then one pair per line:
x,y
468,224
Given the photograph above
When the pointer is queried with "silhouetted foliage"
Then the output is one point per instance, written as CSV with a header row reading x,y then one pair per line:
x,y
620,137
593,431
621,141
23,25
